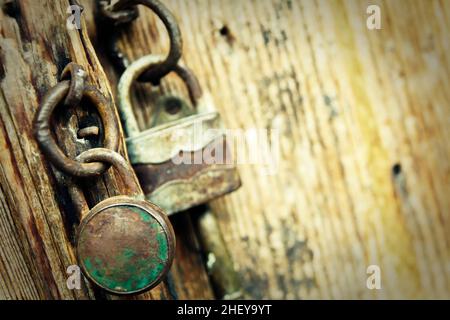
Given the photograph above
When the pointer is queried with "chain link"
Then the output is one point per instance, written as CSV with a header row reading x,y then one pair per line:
x,y
77,77
120,12
70,92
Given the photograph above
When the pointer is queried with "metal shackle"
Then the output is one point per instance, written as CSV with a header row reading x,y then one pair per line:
x,y
133,72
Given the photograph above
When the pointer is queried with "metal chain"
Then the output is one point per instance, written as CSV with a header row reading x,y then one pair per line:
x,y
77,77
118,162
120,12
71,92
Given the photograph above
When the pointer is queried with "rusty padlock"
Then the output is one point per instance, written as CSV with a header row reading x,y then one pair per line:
x,y
125,245
184,159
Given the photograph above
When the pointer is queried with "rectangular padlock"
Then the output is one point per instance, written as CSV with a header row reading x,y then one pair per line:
x,y
184,159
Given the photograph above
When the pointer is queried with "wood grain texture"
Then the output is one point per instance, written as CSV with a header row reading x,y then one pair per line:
x,y
363,116
36,218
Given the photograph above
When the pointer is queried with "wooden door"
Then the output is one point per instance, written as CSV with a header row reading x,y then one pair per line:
x,y
362,117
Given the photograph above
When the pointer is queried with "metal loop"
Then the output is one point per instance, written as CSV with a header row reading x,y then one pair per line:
x,y
117,17
133,72
117,161
47,143
192,83
77,77
161,69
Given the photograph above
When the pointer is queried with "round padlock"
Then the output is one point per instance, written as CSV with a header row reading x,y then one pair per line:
x,y
125,245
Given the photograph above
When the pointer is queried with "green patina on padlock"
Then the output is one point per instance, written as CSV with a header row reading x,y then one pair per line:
x,y
122,246
125,244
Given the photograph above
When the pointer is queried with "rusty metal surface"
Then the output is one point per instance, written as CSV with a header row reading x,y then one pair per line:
x,y
171,185
125,245
119,11
116,17
77,77
161,143
178,187
118,162
47,143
